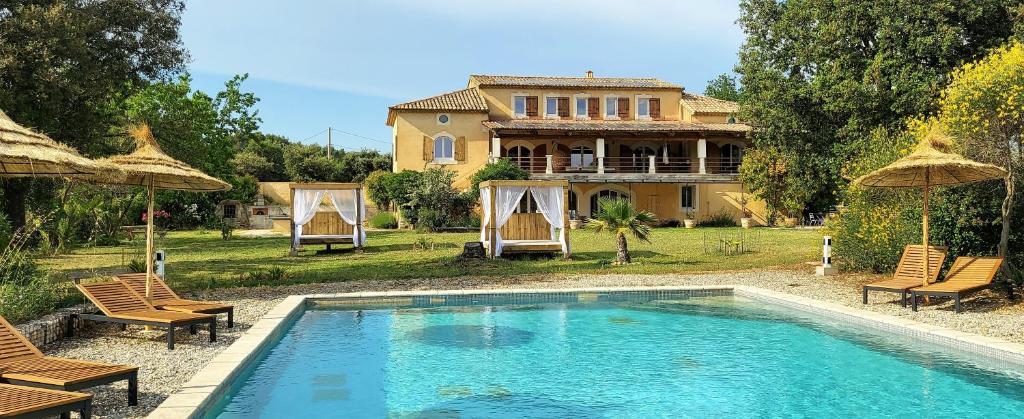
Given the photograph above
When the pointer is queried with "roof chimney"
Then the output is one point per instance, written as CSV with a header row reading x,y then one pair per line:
x,y
590,74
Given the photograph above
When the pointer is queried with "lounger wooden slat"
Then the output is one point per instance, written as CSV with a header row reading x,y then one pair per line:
x,y
119,304
968,274
910,271
23,364
164,298
25,402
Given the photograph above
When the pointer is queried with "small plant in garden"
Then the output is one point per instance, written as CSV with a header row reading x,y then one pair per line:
x,y
136,266
722,218
227,230
423,243
384,220
619,217
262,276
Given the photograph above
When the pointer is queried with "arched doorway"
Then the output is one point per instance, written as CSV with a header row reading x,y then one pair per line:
x,y
519,155
604,193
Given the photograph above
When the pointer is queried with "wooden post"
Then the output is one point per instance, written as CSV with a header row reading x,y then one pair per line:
x,y
565,220
356,232
294,251
149,240
492,232
924,228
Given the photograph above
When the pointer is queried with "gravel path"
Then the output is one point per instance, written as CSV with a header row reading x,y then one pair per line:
x,y
163,371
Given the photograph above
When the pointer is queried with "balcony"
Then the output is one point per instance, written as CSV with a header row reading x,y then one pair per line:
x,y
641,169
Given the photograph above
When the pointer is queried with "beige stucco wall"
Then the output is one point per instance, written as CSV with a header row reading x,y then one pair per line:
x,y
411,127
499,100
276,192
664,199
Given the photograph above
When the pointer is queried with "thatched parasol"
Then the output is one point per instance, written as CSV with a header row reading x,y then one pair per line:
x,y
931,164
26,153
148,166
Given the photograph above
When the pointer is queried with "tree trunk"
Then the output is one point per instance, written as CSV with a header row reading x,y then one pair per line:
x,y
622,249
1004,235
15,191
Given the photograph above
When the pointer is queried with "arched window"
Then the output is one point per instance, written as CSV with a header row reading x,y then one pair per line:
x,y
519,155
444,148
732,156
732,119
581,156
527,204
605,193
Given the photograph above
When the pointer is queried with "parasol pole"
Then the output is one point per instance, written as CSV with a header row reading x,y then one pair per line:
x,y
927,181
149,242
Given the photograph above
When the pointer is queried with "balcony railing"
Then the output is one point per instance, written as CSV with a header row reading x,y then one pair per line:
x,y
550,164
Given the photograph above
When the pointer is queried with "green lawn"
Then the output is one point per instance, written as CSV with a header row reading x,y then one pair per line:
x,y
201,259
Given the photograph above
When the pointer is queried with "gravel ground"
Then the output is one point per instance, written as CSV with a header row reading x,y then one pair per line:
x,y
162,371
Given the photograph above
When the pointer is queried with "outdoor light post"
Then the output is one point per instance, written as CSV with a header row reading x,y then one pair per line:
x,y
826,267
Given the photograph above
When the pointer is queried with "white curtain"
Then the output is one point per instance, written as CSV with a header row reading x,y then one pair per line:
x,y
304,207
550,202
506,200
485,198
345,201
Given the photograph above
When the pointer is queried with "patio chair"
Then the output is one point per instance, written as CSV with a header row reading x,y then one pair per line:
x,y
26,402
968,274
164,298
21,363
119,304
910,272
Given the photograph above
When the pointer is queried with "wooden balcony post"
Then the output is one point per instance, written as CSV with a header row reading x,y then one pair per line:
x,y
652,161
702,154
550,164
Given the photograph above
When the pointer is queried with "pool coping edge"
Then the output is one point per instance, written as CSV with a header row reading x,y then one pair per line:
x,y
210,382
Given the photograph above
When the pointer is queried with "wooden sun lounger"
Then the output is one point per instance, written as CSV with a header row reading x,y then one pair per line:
x,y
23,364
164,298
910,271
119,304
25,402
968,274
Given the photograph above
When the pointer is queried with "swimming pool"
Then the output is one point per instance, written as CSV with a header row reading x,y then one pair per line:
x,y
616,354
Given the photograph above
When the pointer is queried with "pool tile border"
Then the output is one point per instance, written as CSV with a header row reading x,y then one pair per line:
x,y
206,387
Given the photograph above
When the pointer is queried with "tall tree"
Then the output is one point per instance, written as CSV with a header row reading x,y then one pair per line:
x,y
63,61
820,75
723,87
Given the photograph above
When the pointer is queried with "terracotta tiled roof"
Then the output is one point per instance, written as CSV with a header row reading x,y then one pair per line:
x,y
648,126
704,104
572,82
459,100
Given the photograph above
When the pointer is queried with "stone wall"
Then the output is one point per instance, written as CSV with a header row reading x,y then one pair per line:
x,y
51,327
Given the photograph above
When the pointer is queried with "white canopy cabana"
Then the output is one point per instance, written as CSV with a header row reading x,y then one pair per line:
x,y
541,229
309,225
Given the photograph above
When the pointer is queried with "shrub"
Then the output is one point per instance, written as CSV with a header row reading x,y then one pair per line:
x,y
503,169
227,229
722,218
377,188
137,266
434,204
28,300
384,220
262,276
667,223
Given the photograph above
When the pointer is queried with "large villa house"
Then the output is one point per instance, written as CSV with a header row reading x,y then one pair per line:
x,y
670,152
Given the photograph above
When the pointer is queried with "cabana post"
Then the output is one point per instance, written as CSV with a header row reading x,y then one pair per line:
x,y
506,228
344,225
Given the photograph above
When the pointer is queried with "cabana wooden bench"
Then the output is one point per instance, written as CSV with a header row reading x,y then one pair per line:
x,y
506,229
119,304
343,225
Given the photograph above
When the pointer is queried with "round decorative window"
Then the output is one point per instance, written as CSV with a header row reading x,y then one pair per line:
x,y
442,119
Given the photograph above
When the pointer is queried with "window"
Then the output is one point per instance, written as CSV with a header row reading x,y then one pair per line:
x,y
581,108
519,106
551,107
230,210
444,148
581,156
519,155
611,107
442,119
732,156
643,107
688,197
527,205
607,193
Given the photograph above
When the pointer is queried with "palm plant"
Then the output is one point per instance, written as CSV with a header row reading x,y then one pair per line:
x,y
619,217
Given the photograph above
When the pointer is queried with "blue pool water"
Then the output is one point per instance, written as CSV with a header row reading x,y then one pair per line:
x,y
675,357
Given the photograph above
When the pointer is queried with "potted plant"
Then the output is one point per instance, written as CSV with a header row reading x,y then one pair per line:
x,y
689,222
746,220
574,220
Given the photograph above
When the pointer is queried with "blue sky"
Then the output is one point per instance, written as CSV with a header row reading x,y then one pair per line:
x,y
323,63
